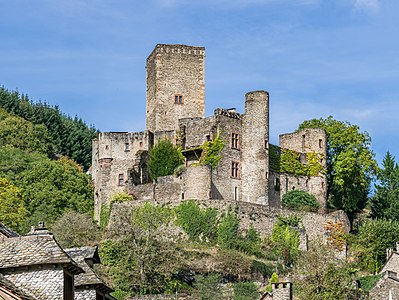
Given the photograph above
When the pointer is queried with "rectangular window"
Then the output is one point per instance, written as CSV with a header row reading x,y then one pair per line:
x,y
178,99
266,144
120,180
235,170
127,147
320,143
235,141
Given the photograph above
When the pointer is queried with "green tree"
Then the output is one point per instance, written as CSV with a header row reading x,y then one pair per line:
x,y
69,136
319,275
75,229
371,242
12,210
48,187
385,202
285,240
208,288
245,291
164,158
350,163
143,250
199,224
227,232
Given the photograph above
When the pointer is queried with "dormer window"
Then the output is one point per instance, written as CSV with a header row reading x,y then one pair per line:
x,y
178,99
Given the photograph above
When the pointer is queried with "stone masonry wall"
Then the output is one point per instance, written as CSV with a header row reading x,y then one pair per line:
x,y
174,70
282,291
306,141
114,153
387,288
46,283
254,154
260,217
85,294
224,184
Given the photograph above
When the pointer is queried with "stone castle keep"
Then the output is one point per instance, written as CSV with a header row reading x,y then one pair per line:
x,y
175,109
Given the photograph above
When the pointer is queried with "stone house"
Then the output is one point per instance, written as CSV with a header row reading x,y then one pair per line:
x,y
8,291
175,109
88,286
387,287
36,265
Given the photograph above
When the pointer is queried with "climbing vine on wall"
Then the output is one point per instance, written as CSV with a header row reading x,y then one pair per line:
x,y
211,152
289,161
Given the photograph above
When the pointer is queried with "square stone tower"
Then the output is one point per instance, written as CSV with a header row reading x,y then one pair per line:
x,y
175,86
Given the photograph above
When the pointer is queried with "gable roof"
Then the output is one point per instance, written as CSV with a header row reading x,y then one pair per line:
x,y
7,232
89,277
30,250
9,290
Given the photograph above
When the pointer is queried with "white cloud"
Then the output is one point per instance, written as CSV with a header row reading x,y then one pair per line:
x,y
372,6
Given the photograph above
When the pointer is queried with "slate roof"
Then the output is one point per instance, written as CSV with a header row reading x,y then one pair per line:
x,y
7,232
8,285
89,277
32,250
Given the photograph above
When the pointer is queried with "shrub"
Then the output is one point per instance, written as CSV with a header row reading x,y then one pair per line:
x,y
199,224
245,291
285,240
227,234
164,159
300,200
208,288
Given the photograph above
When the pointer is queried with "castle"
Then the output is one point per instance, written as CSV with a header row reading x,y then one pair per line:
x,y
175,109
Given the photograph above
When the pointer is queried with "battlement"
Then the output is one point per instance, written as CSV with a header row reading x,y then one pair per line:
x,y
230,113
281,285
177,48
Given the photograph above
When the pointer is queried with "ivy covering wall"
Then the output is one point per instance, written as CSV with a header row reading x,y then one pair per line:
x,y
289,161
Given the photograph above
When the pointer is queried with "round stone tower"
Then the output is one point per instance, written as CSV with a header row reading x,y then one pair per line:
x,y
254,148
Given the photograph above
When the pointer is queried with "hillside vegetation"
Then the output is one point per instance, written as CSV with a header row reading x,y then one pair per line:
x,y
188,249
39,178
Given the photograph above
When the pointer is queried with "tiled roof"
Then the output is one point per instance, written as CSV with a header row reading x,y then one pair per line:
x,y
89,277
33,250
7,232
9,286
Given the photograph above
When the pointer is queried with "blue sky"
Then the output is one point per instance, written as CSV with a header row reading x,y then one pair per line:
x,y
315,57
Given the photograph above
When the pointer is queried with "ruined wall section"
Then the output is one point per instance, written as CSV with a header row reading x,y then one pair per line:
x,y
254,154
174,70
261,217
226,184
115,155
306,141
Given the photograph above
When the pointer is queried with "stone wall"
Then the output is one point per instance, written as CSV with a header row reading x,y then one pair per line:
x,y
282,291
162,297
85,294
115,155
261,217
174,70
46,282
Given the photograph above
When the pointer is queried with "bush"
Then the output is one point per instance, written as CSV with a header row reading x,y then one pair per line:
x,y
285,240
164,159
199,224
245,291
208,288
300,200
227,234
